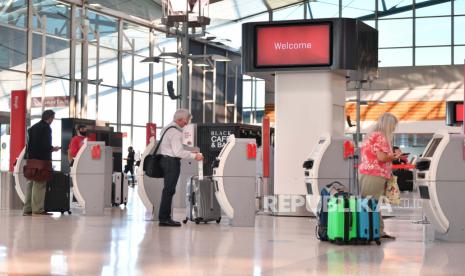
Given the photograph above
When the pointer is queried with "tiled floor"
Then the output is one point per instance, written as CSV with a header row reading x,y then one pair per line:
x,y
123,242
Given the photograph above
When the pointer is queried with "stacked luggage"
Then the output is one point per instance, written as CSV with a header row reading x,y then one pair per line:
x,y
347,219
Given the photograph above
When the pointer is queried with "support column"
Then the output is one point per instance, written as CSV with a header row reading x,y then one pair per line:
x,y
308,104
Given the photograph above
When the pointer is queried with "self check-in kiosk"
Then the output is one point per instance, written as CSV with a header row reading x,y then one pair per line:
x,y
150,189
440,177
234,175
325,165
20,180
90,177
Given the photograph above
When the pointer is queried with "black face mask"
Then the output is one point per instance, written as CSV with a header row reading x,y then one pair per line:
x,y
83,133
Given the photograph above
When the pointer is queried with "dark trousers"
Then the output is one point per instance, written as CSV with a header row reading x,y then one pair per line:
x,y
172,168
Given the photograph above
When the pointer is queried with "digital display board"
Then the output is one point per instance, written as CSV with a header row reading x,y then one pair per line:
x,y
293,45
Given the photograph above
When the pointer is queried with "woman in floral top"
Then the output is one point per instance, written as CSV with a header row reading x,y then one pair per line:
x,y
376,160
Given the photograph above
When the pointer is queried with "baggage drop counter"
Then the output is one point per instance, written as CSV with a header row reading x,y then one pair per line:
x,y
234,174
325,165
440,177
89,177
20,180
149,189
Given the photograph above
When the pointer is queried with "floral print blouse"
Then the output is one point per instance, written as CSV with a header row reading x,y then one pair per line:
x,y
370,164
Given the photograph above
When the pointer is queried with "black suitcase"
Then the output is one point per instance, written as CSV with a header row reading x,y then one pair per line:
x,y
404,180
57,193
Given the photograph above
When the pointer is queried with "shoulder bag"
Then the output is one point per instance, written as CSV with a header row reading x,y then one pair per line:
x,y
152,166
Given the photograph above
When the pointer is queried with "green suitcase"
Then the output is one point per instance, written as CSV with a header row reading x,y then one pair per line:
x,y
342,219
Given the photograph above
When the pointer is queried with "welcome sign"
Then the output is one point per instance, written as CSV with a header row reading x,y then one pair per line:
x,y
293,45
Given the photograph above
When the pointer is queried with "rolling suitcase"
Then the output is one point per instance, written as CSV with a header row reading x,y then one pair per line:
x,y
57,193
322,209
342,219
119,191
201,202
368,221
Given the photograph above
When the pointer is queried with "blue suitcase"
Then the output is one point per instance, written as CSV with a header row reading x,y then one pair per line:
x,y
368,221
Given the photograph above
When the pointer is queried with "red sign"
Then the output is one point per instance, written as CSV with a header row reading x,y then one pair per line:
x,y
293,45
459,112
17,124
349,149
96,152
251,151
150,131
57,101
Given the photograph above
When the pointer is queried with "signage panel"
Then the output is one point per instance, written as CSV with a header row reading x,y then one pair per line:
x,y
293,45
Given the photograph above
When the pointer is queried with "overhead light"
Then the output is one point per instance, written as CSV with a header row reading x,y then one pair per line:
x,y
96,6
170,55
151,60
220,58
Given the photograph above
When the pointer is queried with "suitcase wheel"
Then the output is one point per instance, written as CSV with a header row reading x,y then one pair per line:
x,y
185,221
69,212
197,221
218,220
378,242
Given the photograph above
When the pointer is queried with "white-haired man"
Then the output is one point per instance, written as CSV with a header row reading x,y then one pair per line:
x,y
173,151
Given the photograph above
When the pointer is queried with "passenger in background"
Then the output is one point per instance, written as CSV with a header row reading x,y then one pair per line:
x,y
402,157
130,164
173,151
76,143
375,168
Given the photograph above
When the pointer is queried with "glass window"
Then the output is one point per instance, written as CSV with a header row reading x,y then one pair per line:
x,y
423,8
141,108
57,17
157,77
326,9
58,57
13,48
260,95
459,25
390,36
9,81
141,74
170,108
126,106
459,54
390,8
357,8
433,56
289,13
127,70
138,140
108,66
157,109
14,13
433,31
139,34
395,57
91,101
459,6
107,27
247,94
107,104
370,23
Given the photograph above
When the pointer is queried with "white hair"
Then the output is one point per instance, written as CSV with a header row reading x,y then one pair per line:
x,y
182,114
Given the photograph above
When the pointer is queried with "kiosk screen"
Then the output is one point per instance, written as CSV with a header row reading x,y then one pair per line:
x,y
432,148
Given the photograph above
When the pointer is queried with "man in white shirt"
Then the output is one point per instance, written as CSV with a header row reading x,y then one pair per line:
x,y
173,151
